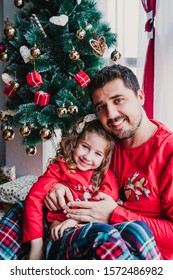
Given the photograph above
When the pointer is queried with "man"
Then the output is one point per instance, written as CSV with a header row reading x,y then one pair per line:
x,y
143,161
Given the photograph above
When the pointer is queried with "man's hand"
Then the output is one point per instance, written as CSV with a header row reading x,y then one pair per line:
x,y
92,211
56,198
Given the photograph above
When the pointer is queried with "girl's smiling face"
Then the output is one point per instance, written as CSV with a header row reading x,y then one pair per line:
x,y
89,151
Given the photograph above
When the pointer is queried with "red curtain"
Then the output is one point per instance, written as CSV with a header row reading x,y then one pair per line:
x,y
148,79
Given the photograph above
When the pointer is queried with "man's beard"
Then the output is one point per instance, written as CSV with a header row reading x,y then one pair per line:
x,y
124,135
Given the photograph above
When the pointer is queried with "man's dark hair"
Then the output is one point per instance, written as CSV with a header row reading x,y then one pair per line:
x,y
109,73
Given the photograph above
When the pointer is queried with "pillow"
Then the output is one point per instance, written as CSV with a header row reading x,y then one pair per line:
x,y
17,189
7,174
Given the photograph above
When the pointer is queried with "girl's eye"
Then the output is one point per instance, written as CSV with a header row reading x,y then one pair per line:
x,y
85,146
98,154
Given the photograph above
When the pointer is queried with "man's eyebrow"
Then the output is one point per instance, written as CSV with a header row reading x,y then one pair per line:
x,y
98,103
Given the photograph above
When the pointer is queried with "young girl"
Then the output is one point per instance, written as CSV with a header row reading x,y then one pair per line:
x,y
82,164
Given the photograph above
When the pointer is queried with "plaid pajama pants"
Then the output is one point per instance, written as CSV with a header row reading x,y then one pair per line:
x,y
127,241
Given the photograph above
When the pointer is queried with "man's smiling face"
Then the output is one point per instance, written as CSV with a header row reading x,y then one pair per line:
x,y
118,108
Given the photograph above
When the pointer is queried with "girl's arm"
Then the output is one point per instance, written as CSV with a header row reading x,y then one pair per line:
x,y
33,214
36,251
58,228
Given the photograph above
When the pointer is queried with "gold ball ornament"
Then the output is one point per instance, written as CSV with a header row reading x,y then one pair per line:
x,y
19,3
46,133
8,134
31,150
4,127
15,85
25,130
80,34
115,55
35,52
74,55
4,56
73,109
9,30
61,111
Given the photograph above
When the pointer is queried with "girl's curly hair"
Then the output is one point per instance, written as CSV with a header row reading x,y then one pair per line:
x,y
69,142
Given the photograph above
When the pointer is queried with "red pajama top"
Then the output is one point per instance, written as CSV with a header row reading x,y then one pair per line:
x,y
145,178
79,183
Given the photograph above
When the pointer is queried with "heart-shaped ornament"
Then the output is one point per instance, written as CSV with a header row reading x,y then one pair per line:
x,y
59,20
25,53
99,46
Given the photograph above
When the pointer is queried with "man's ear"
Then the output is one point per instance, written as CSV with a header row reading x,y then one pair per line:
x,y
141,96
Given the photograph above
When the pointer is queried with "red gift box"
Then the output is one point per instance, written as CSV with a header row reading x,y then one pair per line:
x,y
34,79
82,78
41,98
9,91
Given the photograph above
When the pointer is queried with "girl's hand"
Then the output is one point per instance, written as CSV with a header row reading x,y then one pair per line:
x,y
57,231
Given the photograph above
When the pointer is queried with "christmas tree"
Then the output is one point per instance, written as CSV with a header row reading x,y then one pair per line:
x,y
49,54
